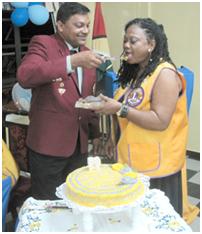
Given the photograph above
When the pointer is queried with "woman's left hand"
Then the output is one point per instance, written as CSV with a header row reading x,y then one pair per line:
x,y
108,105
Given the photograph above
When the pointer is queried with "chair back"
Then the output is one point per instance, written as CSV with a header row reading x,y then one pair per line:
x,y
189,77
6,188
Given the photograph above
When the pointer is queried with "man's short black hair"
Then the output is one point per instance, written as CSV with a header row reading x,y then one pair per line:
x,y
68,9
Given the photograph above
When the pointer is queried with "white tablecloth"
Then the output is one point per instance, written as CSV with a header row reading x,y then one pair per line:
x,y
154,213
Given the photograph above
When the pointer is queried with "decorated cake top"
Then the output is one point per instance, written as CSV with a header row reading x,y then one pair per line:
x,y
126,174
104,184
97,178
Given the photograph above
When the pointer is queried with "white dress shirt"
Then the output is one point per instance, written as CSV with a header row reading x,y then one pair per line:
x,y
70,70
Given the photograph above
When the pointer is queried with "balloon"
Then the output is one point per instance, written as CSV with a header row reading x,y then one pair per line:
x,y
20,4
20,17
38,14
21,97
35,3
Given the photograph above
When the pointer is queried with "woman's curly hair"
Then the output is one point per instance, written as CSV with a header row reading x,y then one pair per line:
x,y
128,72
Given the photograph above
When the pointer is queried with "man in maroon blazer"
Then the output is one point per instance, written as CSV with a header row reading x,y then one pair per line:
x,y
58,133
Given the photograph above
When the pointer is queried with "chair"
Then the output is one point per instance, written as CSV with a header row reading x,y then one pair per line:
x,y
189,211
6,189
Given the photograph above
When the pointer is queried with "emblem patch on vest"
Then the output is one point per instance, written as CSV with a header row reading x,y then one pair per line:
x,y
135,97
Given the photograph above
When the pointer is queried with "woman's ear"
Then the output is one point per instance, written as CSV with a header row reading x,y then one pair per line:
x,y
152,44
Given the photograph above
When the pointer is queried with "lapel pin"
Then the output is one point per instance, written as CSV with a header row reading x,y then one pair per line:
x,y
61,91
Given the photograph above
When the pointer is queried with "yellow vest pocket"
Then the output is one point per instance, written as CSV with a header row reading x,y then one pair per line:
x,y
145,157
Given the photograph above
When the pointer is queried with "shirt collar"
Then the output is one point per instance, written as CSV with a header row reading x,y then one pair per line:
x,y
71,47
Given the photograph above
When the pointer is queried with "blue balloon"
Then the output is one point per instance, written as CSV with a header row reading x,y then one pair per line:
x,y
38,14
20,17
35,3
20,4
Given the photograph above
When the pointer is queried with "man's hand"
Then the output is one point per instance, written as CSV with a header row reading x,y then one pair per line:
x,y
86,59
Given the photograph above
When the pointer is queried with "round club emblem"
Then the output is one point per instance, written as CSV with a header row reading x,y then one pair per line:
x,y
135,97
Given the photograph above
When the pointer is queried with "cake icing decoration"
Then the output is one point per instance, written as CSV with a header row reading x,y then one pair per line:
x,y
128,180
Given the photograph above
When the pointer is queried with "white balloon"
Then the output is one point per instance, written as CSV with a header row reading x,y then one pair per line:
x,y
21,97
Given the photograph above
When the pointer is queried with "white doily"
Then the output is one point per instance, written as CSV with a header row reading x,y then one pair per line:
x,y
61,193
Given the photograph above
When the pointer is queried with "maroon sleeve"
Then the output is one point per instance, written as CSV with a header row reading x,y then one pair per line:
x,y
38,67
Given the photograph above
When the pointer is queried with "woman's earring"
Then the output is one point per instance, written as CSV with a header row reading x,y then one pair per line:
x,y
150,59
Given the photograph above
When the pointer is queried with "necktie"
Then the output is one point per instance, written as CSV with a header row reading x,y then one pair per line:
x,y
73,52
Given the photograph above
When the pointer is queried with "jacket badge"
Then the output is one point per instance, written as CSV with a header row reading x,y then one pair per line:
x,y
57,80
61,91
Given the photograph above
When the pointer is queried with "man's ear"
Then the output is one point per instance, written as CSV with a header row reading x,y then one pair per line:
x,y
59,25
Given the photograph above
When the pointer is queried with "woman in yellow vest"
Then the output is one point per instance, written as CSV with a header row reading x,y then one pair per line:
x,y
9,166
151,109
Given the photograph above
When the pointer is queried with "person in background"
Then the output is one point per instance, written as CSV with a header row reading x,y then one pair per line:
x,y
151,108
59,69
9,165
10,176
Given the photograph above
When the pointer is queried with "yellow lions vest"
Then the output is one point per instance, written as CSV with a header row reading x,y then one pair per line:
x,y
9,166
154,153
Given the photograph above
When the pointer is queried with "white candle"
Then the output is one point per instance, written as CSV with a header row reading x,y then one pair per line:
x,y
94,163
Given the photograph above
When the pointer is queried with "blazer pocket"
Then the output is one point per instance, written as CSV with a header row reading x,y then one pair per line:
x,y
145,157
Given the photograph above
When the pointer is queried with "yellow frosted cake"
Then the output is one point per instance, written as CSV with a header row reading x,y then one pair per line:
x,y
104,185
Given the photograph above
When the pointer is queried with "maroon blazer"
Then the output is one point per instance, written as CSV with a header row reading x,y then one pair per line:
x,y
54,121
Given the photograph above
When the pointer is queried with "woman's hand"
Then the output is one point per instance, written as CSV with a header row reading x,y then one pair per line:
x,y
107,106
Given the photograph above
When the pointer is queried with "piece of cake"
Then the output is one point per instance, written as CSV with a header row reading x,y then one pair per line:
x,y
124,57
107,185
88,102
